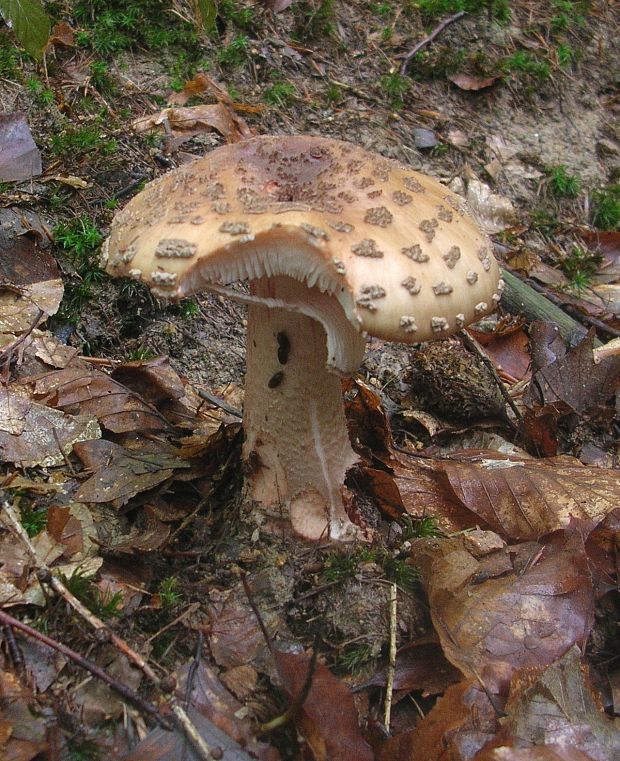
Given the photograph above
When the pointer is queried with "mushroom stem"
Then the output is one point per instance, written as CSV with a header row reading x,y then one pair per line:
x,y
297,445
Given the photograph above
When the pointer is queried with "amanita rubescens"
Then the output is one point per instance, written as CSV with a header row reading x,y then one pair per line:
x,y
336,243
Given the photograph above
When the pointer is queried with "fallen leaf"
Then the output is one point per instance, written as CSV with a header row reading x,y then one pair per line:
x,y
152,379
521,607
164,744
508,348
556,706
191,120
422,667
552,752
472,83
524,499
459,724
236,638
24,731
330,734
147,534
119,474
19,156
62,35
605,245
30,284
493,212
576,379
83,390
95,700
70,180
32,434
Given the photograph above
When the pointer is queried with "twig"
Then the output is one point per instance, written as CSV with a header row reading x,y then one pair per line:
x,y
193,735
299,699
192,608
525,298
187,520
428,39
8,350
215,400
63,453
45,575
191,674
573,311
256,611
121,689
13,648
610,349
391,669
473,346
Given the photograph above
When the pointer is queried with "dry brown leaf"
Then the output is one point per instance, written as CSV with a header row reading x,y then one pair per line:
x,y
62,35
191,120
331,733
147,534
460,723
522,607
119,474
524,499
575,379
538,753
32,434
508,349
95,700
236,638
605,245
556,706
90,392
152,379
19,156
420,666
23,732
164,745
472,83
202,83
30,285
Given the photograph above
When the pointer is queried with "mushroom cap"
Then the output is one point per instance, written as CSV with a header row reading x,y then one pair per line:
x,y
399,251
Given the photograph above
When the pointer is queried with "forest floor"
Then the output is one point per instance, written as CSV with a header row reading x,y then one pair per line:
x,y
496,524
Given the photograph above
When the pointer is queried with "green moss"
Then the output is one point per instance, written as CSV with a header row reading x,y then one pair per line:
x,y
523,62
562,183
76,140
111,26
280,94
395,87
235,53
606,204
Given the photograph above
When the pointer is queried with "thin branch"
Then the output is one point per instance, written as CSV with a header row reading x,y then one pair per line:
x,y
125,692
473,346
45,575
218,402
6,352
256,611
391,669
299,699
428,39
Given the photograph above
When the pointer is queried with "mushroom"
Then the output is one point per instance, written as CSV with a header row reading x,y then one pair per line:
x,y
336,243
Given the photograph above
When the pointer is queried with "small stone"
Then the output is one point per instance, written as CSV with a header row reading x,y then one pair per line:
x,y
424,138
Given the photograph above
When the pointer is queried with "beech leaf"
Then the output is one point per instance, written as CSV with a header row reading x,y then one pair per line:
x,y
30,23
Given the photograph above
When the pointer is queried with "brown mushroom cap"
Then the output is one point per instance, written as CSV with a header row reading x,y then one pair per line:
x,y
396,248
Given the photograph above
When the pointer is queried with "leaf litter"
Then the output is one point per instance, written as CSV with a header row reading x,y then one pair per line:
x,y
512,593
